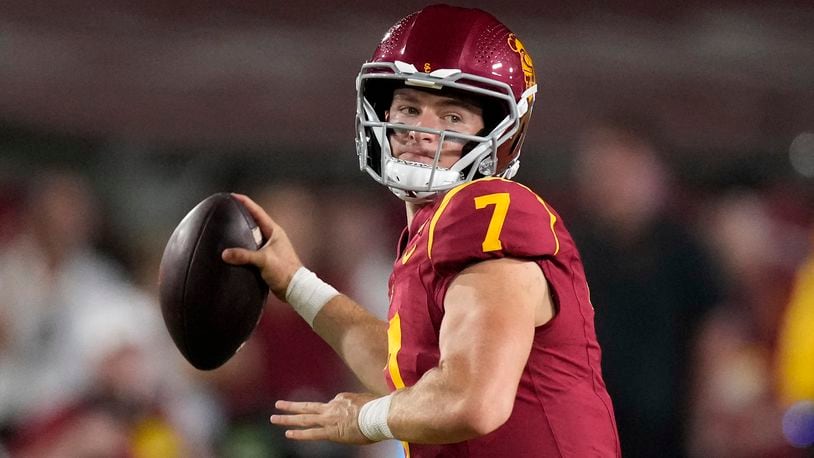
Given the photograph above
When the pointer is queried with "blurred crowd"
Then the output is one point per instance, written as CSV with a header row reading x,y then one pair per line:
x,y
704,299
691,287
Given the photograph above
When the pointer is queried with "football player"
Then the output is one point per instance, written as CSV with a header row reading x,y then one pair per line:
x,y
489,348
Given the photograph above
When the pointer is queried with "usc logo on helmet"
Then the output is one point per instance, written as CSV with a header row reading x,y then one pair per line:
x,y
525,60
427,67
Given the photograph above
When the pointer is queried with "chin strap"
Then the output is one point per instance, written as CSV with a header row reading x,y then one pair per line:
x,y
423,197
417,175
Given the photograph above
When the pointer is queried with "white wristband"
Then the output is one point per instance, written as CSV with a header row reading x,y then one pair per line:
x,y
307,294
373,419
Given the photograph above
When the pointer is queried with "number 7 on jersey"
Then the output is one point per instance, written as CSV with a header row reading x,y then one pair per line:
x,y
501,202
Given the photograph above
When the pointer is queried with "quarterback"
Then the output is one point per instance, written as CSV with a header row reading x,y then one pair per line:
x,y
489,349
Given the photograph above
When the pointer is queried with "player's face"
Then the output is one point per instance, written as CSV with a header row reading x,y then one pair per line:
x,y
419,108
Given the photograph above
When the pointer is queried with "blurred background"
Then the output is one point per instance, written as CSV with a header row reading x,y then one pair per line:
x,y
676,140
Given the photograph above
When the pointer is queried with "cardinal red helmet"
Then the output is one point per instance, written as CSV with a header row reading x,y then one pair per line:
x,y
454,50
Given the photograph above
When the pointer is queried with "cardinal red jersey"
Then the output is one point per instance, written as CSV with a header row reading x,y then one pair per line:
x,y
562,407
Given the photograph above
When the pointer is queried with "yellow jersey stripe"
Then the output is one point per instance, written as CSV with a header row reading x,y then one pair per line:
x,y
551,216
393,347
553,220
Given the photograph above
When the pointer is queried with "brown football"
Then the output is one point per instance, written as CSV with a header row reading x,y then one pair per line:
x,y
211,307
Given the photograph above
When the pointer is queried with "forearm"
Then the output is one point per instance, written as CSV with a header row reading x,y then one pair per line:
x,y
358,337
436,410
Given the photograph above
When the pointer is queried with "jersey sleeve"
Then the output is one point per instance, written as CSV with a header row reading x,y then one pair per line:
x,y
487,219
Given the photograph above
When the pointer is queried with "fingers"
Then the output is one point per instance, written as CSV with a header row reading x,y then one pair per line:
x,y
241,256
306,417
300,407
300,421
264,221
313,434
305,421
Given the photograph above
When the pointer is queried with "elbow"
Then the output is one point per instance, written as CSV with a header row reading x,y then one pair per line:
x,y
483,416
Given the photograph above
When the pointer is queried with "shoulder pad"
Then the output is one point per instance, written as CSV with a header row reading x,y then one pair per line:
x,y
487,219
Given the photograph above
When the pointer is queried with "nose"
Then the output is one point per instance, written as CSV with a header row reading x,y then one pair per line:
x,y
424,120
419,136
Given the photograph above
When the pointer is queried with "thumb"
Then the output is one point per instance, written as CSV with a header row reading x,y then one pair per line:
x,y
241,256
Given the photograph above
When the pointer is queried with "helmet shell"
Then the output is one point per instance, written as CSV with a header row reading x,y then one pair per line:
x,y
472,40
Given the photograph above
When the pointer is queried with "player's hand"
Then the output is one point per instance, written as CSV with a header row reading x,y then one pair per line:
x,y
337,420
276,260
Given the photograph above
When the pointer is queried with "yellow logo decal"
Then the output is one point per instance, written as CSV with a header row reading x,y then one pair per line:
x,y
427,67
408,253
525,60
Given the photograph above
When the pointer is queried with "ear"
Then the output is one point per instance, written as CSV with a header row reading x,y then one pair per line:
x,y
387,115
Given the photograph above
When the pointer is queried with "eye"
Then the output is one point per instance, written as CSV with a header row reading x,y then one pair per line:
x,y
453,118
408,110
